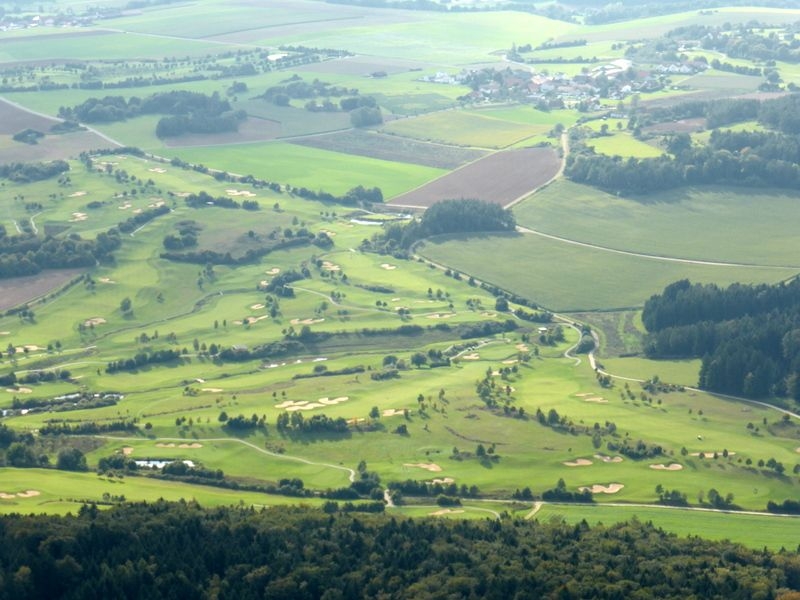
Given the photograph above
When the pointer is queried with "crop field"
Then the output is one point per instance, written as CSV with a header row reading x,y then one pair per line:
x,y
500,178
393,148
567,277
463,129
707,224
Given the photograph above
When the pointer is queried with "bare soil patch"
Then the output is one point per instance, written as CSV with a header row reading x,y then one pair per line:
x,y
19,290
433,467
669,467
501,178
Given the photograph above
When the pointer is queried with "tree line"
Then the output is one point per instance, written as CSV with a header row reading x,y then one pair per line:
x,y
748,336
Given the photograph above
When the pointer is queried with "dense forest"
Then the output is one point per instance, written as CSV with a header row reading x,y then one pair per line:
x,y
167,550
746,158
747,335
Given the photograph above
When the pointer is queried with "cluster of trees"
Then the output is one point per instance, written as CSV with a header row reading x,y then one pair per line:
x,y
142,359
747,335
87,428
357,196
448,216
133,223
296,88
560,493
32,171
741,41
295,422
189,112
758,159
204,199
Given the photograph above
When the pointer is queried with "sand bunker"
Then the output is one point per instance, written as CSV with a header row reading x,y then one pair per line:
x,y
183,194
9,333
94,321
127,450
388,267
77,194
596,400
29,494
295,405
157,170
305,321
433,467
29,348
256,306
244,193
510,361
473,356
20,390
581,462
445,481
611,488
797,449
251,320
393,412
440,315
522,347
319,359
192,445
446,511
106,280
212,390
711,453
163,445
157,202
582,395
669,467
78,216
329,266
273,271
609,459
487,313
328,232
125,206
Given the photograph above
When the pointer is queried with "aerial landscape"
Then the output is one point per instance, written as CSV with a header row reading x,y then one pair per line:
x,y
476,298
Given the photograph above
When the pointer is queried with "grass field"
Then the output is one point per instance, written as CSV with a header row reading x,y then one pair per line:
x,y
751,530
709,223
625,145
567,277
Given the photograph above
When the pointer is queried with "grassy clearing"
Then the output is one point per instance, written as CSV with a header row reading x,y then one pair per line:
x,y
565,277
773,532
625,145
708,223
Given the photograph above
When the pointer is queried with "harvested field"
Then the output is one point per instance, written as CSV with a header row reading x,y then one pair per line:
x,y
14,120
253,129
393,148
18,290
501,178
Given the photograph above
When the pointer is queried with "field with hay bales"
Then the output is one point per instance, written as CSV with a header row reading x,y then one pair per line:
x,y
241,315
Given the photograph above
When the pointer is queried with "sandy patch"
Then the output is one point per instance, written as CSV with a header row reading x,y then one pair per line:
x,y
295,405
77,194
596,400
797,449
157,170
183,194
446,511
245,193
94,321
710,453
440,316
9,333
510,361
580,462
583,395
611,488
669,467
433,467
319,359
157,202
251,320
328,232
78,216
445,480
137,211
125,206
355,420
5,496
609,459
473,356
487,313
163,445
273,271
20,390
212,390
29,493
305,321
192,445
127,450
522,347
256,306
388,267
106,280
29,348
392,412
329,266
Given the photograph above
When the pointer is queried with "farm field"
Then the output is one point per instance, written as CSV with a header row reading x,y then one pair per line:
x,y
500,178
557,272
255,340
